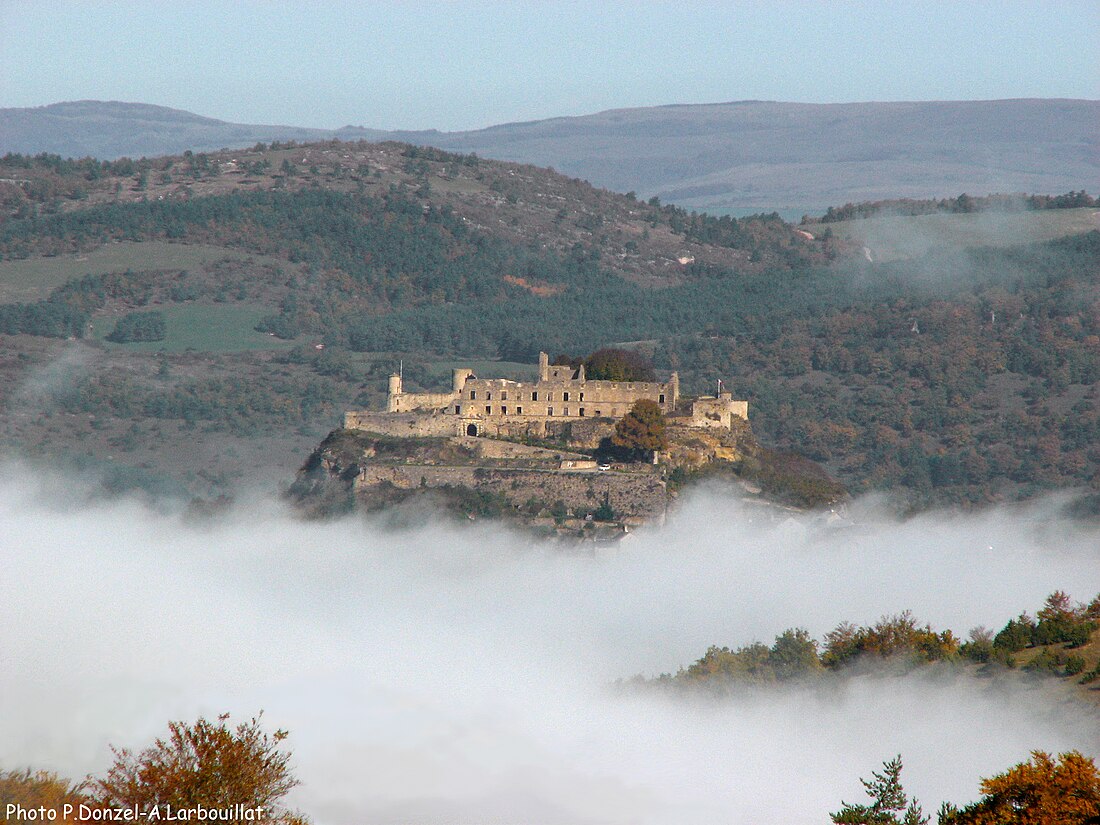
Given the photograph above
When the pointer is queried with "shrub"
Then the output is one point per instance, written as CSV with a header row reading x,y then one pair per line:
x,y
138,326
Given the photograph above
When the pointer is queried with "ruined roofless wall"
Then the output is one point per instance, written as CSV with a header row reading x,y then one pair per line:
x,y
711,412
502,407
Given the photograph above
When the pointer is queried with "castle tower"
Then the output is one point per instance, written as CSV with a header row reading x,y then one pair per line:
x,y
393,401
674,388
458,379
544,367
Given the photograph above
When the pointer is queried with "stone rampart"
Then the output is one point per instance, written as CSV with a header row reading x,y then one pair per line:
x,y
402,424
633,496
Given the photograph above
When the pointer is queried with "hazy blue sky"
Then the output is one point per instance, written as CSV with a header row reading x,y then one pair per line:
x,y
459,65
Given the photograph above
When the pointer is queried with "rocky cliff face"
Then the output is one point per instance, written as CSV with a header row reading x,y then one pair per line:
x,y
556,488
477,477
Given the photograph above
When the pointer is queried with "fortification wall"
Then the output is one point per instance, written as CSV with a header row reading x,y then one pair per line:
x,y
584,433
402,424
510,450
408,401
633,496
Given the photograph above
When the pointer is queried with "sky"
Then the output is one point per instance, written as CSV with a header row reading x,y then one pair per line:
x,y
464,65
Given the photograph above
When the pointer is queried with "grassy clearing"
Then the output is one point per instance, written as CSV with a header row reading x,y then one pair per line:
x,y
898,236
200,327
33,278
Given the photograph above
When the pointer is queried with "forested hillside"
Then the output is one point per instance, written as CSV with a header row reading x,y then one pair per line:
x,y
965,375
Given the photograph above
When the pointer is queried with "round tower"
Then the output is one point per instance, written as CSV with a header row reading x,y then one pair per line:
x,y
458,379
395,391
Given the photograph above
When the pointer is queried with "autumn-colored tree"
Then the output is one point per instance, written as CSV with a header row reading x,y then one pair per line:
x,y
39,789
208,764
641,431
898,635
1041,791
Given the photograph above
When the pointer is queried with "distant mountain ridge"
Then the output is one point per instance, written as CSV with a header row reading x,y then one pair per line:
x,y
739,154
113,129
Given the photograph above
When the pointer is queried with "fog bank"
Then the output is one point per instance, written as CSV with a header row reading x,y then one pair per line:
x,y
460,673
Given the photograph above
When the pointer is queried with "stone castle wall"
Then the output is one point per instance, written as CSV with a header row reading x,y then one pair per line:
x,y
401,424
633,496
561,403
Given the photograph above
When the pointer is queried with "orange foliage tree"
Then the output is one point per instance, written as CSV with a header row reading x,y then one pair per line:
x,y
34,789
208,764
1042,791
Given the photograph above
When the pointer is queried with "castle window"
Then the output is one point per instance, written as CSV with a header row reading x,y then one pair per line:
x,y
473,395
534,396
504,395
582,396
519,410
504,411
565,397
488,396
661,399
488,409
549,410
565,411
582,412
458,410
598,413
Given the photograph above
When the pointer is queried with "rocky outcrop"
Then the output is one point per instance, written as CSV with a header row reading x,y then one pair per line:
x,y
541,483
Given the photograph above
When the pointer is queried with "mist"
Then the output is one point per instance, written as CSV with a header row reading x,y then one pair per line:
x,y
462,673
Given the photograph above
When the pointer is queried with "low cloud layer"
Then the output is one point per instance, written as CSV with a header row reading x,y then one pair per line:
x,y
460,674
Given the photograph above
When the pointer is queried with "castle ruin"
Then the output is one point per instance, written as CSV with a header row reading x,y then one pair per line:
x,y
562,396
